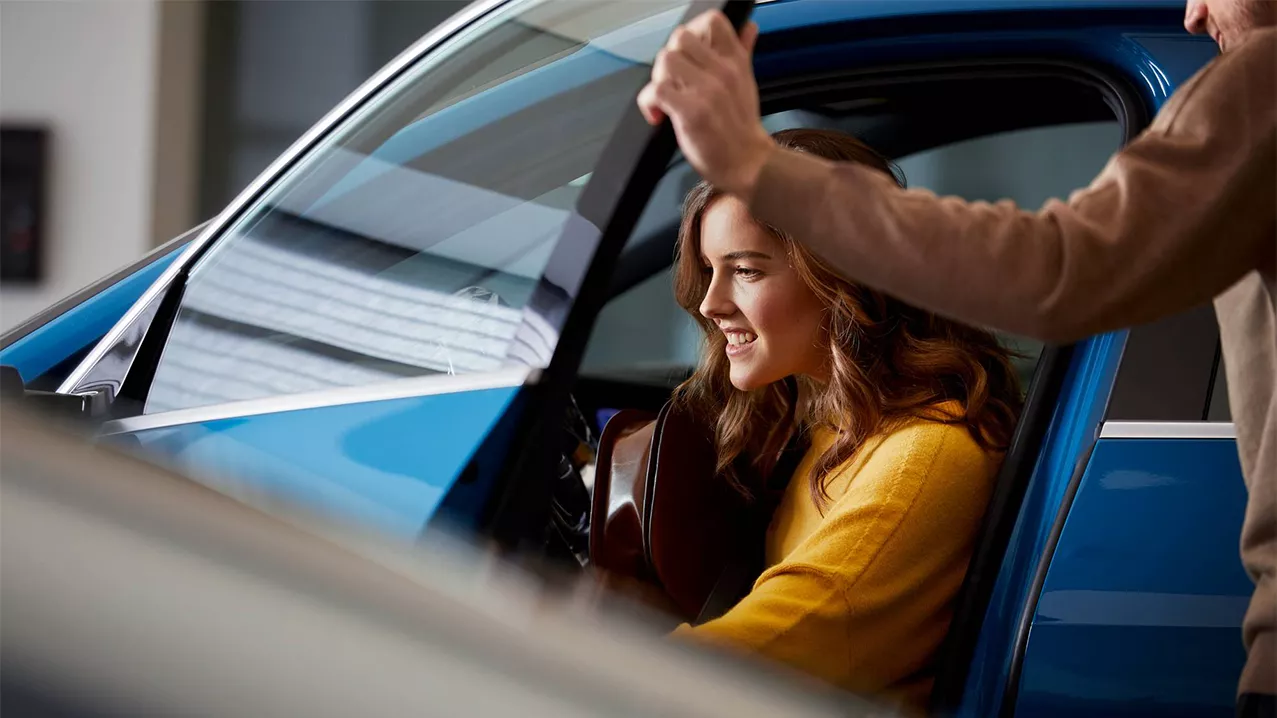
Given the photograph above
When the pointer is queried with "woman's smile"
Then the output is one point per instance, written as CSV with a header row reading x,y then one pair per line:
x,y
769,318
739,342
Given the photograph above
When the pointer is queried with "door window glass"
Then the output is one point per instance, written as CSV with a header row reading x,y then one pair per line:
x,y
410,243
643,336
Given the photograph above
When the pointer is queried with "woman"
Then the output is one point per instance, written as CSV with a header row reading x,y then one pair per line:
x,y
905,415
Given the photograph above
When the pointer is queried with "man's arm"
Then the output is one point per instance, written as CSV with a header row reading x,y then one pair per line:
x,y
1176,217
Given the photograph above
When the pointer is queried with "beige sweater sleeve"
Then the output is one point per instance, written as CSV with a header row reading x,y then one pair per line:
x,y
1176,217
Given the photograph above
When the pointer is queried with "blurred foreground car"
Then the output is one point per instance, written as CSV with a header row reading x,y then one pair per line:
x,y
131,591
390,324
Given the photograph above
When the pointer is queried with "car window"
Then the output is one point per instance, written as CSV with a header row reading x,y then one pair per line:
x,y
643,336
412,241
1167,370
1028,167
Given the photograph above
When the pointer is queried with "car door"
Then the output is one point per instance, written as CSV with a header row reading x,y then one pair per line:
x,y
414,279
1137,54
825,55
1141,606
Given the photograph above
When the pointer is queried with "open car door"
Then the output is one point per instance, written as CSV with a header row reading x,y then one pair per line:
x,y
389,320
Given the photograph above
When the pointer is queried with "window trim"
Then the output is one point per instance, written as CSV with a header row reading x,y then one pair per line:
x,y
1175,430
431,385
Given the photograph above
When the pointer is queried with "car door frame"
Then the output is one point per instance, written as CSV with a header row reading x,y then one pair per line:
x,y
574,284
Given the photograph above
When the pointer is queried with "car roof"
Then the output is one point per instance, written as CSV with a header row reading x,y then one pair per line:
x,y
781,15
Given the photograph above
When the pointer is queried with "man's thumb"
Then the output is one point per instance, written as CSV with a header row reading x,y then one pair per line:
x,y
748,36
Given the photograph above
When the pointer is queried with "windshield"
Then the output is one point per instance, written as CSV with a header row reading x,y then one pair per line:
x,y
409,243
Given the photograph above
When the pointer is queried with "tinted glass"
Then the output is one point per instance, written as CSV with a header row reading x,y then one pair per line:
x,y
410,242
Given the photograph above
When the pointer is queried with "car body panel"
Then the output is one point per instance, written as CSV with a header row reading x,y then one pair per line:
x,y
1149,61
387,464
797,14
1117,633
1070,436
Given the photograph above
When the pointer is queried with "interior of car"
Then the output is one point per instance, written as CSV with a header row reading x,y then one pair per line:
x,y
1024,130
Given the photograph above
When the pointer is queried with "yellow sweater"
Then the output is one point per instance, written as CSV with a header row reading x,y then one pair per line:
x,y
862,596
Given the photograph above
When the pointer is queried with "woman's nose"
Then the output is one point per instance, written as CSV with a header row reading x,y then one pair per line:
x,y
717,304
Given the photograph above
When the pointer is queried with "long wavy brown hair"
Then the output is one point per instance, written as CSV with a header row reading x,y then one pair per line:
x,y
890,362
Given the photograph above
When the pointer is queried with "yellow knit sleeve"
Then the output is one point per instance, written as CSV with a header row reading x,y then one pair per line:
x,y
865,601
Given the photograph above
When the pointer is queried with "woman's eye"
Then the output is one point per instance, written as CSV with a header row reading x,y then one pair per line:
x,y
747,272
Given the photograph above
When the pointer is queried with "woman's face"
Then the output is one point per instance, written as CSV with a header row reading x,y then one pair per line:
x,y
772,321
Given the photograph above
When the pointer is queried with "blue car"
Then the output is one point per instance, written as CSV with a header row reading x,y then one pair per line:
x,y
387,325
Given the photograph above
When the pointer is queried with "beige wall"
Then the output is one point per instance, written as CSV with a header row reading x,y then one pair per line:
x,y
122,156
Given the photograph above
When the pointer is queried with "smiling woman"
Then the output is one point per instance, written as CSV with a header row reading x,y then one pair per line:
x,y
902,416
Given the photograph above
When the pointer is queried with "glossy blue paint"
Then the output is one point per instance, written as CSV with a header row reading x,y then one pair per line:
x,y
1141,611
1178,56
805,14
1097,46
386,465
1069,439
81,325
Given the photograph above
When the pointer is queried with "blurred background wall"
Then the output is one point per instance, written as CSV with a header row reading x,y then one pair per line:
x,y
85,71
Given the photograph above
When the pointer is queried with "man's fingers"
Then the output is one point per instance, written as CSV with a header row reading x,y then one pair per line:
x,y
649,106
675,70
717,31
689,44
672,75
748,37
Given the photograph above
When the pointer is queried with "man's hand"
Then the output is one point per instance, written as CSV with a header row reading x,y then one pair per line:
x,y
703,80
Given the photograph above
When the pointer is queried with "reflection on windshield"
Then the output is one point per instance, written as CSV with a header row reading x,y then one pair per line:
x,y
418,241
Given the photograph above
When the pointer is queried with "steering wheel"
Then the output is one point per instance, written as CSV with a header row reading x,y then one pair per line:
x,y
568,533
